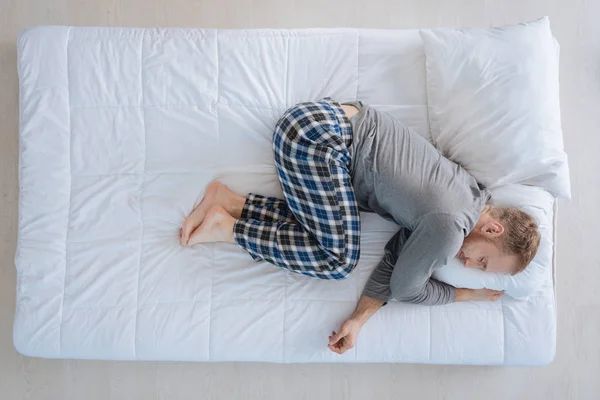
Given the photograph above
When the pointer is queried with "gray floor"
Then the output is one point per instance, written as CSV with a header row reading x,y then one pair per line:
x,y
573,375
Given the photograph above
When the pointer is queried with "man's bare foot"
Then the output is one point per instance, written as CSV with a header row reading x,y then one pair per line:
x,y
216,194
216,227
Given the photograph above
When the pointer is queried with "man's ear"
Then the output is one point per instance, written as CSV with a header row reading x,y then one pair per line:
x,y
492,229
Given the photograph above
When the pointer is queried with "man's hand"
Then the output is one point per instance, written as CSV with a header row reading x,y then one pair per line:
x,y
346,336
478,294
486,294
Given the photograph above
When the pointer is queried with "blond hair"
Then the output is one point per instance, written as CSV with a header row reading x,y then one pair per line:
x,y
521,236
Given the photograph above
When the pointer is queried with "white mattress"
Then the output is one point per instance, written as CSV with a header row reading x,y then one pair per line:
x,y
121,131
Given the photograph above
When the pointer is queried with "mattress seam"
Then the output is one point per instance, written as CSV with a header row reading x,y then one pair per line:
x,y
163,33
141,201
210,303
232,105
159,173
554,239
503,332
554,267
433,123
62,302
160,304
210,314
430,341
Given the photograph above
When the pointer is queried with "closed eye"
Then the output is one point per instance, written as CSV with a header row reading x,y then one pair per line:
x,y
482,261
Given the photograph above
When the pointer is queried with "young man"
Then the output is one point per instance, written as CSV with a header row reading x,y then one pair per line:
x,y
334,160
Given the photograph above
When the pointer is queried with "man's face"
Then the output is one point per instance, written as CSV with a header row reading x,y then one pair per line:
x,y
477,252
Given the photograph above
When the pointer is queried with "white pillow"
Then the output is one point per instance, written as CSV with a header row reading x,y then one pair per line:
x,y
494,104
540,205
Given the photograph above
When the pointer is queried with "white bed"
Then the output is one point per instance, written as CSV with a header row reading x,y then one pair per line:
x,y
121,131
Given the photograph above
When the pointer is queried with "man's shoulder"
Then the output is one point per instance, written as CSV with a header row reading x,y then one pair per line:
x,y
447,229
443,220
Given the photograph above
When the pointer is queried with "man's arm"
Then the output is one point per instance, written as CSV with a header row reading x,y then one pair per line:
x,y
378,289
410,258
478,294
378,285
345,338
462,294
366,307
435,239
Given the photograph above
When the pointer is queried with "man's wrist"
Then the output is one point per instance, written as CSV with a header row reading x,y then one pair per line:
x,y
463,294
360,317
366,307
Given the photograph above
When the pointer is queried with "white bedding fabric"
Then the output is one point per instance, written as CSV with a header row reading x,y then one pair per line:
x,y
494,105
121,131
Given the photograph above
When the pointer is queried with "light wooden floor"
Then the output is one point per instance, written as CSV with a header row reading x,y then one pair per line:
x,y
575,374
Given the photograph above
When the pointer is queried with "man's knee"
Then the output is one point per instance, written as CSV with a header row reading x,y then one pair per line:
x,y
342,268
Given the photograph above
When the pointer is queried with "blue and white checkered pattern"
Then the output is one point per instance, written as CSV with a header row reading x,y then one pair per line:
x,y
316,231
267,209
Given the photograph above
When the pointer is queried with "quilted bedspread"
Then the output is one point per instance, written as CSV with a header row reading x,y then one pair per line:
x,y
121,131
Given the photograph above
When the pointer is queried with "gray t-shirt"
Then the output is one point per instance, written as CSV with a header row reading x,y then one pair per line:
x,y
404,178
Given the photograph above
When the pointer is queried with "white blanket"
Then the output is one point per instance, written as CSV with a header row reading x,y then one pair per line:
x,y
121,131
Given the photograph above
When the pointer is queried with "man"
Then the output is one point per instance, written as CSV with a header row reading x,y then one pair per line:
x,y
334,160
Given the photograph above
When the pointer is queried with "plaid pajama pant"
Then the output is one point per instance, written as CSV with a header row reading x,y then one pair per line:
x,y
315,231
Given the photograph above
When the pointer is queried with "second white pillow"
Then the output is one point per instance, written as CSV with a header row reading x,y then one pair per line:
x,y
493,103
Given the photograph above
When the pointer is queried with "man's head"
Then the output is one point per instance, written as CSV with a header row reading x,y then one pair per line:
x,y
504,240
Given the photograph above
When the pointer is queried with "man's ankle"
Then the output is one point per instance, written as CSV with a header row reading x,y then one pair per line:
x,y
236,206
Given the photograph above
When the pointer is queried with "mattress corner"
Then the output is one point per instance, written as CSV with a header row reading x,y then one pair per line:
x,y
39,32
32,31
20,342
548,358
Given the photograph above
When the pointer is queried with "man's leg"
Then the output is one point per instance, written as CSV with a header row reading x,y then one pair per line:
x,y
253,206
270,209
310,144
217,226
216,194
312,159
287,245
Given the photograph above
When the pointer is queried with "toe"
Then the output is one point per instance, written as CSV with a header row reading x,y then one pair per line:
x,y
186,230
